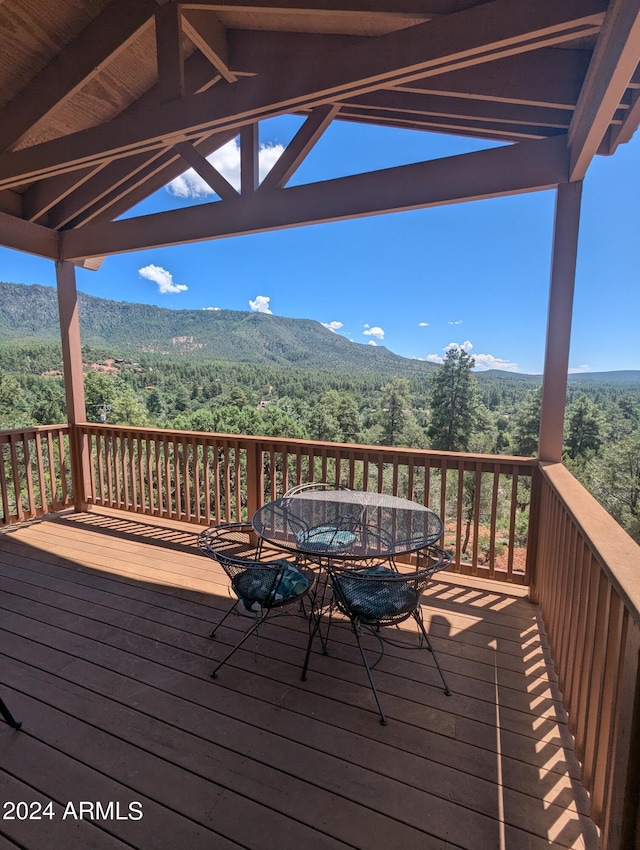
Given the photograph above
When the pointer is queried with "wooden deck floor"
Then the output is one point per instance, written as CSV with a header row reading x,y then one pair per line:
x,y
104,656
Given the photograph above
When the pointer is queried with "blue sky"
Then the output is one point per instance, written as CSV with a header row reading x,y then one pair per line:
x,y
476,274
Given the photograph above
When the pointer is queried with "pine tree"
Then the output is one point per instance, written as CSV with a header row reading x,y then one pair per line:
x,y
454,403
583,427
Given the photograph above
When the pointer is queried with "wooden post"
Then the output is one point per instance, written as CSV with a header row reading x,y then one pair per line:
x,y
73,380
255,479
556,361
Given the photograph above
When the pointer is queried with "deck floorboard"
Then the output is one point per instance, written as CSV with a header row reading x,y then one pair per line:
x,y
105,657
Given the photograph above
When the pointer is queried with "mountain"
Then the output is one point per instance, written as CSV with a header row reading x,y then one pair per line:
x,y
29,314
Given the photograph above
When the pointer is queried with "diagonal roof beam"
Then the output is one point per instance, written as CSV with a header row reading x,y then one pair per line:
x,y
99,42
550,77
201,165
205,30
481,34
46,194
524,167
134,186
612,66
412,8
298,148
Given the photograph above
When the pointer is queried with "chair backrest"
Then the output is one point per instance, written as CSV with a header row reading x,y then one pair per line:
x,y
270,581
314,485
379,595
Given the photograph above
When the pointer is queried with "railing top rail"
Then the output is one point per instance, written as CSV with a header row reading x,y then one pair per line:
x,y
288,443
33,429
617,552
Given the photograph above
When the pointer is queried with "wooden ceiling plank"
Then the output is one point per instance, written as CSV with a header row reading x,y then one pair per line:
x,y
101,40
298,148
479,35
550,78
249,159
210,37
614,61
25,236
211,176
528,166
169,52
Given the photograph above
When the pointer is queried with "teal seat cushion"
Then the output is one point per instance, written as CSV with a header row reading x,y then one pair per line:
x,y
375,601
325,537
257,586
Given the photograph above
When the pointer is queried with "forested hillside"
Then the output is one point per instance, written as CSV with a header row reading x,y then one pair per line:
x,y
30,314
447,407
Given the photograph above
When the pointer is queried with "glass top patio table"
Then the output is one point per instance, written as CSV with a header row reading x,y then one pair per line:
x,y
347,524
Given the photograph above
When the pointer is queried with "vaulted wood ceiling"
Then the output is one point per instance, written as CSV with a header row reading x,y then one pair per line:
x,y
102,102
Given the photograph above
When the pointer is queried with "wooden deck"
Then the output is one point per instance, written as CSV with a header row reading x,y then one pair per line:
x,y
105,658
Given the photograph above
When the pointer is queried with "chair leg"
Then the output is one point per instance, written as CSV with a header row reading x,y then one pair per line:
x,y
383,719
259,621
230,611
4,711
418,618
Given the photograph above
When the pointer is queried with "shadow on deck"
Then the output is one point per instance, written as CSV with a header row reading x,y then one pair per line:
x,y
104,656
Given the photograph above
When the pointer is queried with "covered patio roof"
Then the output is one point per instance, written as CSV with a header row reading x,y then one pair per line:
x,y
102,102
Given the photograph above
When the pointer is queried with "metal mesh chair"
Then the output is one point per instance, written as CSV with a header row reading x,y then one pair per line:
x,y
263,587
373,597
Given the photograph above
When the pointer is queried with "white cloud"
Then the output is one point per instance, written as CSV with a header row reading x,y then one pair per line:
x,y
211,308
227,161
423,324
483,362
373,342
261,304
465,346
376,331
332,326
488,361
163,278
576,370
457,322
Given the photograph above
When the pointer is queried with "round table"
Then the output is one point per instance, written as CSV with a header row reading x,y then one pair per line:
x,y
347,524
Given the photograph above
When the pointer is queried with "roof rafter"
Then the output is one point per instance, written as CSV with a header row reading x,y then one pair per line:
x,y
210,37
612,66
511,169
211,176
135,185
298,148
550,77
480,34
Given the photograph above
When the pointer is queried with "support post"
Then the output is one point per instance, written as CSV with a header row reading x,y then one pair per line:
x,y
255,479
73,380
556,361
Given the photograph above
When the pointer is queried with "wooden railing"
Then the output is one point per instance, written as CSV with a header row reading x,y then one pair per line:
x,y
209,478
587,582
35,472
